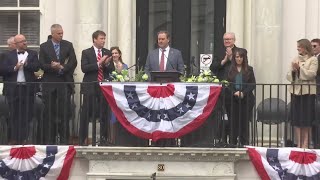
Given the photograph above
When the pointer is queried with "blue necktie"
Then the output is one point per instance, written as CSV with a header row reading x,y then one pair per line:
x,y
57,50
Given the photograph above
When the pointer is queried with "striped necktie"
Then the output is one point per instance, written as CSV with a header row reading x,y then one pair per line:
x,y
100,70
57,50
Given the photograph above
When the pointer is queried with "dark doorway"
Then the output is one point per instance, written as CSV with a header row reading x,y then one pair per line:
x,y
196,27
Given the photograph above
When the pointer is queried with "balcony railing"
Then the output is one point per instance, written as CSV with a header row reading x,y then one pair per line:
x,y
57,116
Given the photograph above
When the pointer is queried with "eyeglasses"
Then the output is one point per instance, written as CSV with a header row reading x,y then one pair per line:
x,y
228,39
314,46
22,41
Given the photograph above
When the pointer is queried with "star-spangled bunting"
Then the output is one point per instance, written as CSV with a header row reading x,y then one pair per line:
x,y
154,111
36,162
285,163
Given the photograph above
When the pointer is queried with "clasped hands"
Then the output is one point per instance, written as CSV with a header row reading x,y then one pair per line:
x,y
19,65
238,94
104,60
295,66
56,65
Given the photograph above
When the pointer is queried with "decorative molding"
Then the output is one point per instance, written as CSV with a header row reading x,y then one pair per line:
x,y
162,154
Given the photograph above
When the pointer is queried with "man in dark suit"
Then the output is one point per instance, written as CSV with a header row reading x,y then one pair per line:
x,y
96,63
20,65
58,61
164,58
221,67
11,46
315,128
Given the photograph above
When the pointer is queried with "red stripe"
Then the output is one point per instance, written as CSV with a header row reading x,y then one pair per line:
x,y
212,100
302,157
257,162
64,174
161,91
23,152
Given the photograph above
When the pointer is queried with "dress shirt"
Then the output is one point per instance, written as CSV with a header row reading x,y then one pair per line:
x,y
21,58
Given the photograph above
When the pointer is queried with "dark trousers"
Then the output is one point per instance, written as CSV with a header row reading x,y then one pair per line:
x,y
21,111
94,106
56,115
239,113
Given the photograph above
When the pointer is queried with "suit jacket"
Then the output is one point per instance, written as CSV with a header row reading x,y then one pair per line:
x,y
247,89
10,75
67,59
90,69
221,71
174,61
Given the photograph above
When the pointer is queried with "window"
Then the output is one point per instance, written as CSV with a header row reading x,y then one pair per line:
x,y
20,17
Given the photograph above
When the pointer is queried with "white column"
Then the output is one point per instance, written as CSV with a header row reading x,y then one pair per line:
x,y
312,19
88,19
126,30
235,20
111,22
267,41
293,22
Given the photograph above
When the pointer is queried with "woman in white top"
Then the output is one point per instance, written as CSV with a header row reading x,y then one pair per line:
x,y
302,75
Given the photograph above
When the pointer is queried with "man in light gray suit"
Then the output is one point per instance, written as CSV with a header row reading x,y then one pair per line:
x,y
164,58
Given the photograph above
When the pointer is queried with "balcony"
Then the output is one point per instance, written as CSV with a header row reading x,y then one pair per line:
x,y
205,153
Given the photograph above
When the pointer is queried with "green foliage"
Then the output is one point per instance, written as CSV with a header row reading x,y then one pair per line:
x,y
141,76
204,77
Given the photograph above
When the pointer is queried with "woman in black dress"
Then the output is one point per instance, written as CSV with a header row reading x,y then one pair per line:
x,y
239,97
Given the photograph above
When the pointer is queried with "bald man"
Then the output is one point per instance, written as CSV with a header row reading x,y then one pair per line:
x,y
20,65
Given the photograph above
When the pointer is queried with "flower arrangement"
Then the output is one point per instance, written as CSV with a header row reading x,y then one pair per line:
x,y
204,77
123,76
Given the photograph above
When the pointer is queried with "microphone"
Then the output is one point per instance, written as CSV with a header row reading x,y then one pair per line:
x,y
132,66
138,63
193,62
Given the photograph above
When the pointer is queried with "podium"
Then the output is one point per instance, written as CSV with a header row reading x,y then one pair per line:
x,y
165,76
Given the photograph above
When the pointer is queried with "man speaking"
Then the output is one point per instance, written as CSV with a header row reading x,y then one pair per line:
x,y
164,58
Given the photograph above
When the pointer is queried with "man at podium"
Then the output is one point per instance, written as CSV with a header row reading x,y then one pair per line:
x,y
164,58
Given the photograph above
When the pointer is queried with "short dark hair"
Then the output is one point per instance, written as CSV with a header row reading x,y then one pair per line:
x,y
164,32
316,40
97,33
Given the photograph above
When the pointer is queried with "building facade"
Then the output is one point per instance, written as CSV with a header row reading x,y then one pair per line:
x,y
268,29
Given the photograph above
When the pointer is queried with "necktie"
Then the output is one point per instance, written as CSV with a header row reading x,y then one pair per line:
x,y
21,52
57,50
162,60
100,70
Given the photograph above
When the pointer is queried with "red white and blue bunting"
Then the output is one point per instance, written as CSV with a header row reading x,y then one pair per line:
x,y
36,162
285,163
154,111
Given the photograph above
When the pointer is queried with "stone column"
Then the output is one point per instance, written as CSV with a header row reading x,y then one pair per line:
x,y
312,19
235,20
267,41
294,28
88,19
126,30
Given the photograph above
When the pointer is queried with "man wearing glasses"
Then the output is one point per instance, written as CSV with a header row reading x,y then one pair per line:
x,y
220,67
315,128
20,65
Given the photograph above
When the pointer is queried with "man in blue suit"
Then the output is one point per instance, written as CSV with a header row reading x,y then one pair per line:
x,y
164,58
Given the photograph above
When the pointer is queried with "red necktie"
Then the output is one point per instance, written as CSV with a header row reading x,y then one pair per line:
x,y
100,71
162,60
